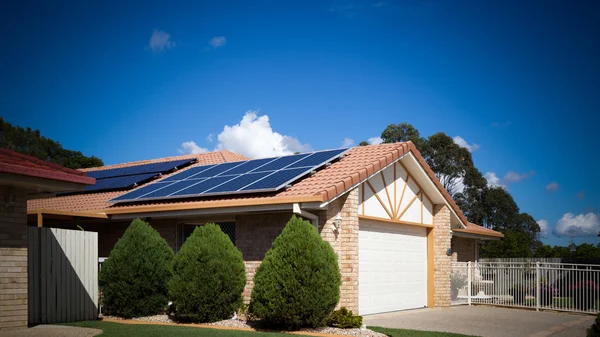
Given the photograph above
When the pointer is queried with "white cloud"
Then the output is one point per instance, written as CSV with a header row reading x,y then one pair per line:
x,y
160,41
492,180
544,227
463,143
191,148
348,142
509,178
514,177
375,140
217,41
209,138
253,137
552,187
578,225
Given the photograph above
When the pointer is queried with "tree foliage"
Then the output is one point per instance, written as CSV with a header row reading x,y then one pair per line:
x,y
209,276
134,278
30,142
298,282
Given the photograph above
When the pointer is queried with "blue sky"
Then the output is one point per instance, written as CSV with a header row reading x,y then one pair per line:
x,y
136,81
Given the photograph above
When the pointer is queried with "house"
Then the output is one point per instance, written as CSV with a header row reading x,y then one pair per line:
x,y
21,178
394,227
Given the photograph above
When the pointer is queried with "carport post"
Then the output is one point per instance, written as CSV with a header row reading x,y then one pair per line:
x,y
469,282
537,285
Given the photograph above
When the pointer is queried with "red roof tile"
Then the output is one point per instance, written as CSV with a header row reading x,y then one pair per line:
x,y
20,164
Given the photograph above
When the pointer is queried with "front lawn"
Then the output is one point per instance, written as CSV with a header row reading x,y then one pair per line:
x,y
111,329
414,333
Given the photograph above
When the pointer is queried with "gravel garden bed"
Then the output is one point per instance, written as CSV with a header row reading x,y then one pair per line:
x,y
240,323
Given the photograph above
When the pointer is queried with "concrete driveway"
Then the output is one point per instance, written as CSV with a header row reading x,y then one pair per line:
x,y
487,321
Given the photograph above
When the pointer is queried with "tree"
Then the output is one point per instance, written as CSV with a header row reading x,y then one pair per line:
x,y
363,143
515,243
134,278
298,282
402,132
450,162
209,276
30,142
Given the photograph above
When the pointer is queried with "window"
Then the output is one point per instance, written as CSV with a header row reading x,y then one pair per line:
x,y
227,227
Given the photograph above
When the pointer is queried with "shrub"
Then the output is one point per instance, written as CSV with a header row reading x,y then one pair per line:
x,y
298,282
344,319
209,277
594,330
134,278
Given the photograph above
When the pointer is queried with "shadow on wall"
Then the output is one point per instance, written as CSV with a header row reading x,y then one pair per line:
x,y
63,275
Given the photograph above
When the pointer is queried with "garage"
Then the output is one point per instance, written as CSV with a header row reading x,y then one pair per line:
x,y
392,267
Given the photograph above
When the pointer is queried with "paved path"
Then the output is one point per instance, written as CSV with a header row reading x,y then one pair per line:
x,y
487,321
52,331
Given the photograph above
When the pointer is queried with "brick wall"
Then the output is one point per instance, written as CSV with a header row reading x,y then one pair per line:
x,y
465,249
13,258
442,241
254,235
345,244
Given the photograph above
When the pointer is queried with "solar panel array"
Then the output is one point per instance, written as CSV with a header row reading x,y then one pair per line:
x,y
127,177
252,176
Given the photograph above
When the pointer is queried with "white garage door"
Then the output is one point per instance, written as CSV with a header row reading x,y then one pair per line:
x,y
392,267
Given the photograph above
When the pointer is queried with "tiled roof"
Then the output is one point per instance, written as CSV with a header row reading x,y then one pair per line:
x,y
329,182
478,230
20,164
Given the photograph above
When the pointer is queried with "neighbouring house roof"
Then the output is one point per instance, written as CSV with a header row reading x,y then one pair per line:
x,y
478,230
23,165
327,184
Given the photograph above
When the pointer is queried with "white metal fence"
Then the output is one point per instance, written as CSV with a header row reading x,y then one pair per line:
x,y
535,285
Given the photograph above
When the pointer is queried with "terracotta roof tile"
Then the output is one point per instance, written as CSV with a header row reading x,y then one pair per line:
x,y
358,164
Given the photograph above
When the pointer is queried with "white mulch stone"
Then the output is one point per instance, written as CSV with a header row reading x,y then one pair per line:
x,y
347,332
233,323
240,323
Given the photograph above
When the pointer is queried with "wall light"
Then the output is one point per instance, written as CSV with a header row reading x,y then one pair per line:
x,y
337,224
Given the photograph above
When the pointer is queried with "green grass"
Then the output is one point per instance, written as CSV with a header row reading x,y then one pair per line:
x,y
111,329
414,333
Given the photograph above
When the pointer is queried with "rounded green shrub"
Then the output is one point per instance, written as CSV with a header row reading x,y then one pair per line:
x,y
344,319
209,277
298,282
134,279
594,329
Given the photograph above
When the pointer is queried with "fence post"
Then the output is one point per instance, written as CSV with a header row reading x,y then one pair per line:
x,y
537,286
469,282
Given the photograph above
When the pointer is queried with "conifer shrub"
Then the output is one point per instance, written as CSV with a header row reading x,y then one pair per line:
x,y
134,279
209,277
344,319
298,282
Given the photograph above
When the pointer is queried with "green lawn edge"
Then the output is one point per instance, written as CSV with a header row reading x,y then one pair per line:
x,y
414,333
111,329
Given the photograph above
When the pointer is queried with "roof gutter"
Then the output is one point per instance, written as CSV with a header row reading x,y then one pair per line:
x,y
285,207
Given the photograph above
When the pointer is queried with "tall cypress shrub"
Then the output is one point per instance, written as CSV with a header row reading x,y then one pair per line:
x,y
209,276
298,282
134,279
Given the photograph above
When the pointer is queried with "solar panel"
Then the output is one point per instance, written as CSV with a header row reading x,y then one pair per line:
x,y
119,182
139,169
252,176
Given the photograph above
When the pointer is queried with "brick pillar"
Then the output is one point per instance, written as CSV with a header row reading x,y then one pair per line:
x,y
442,241
345,244
13,258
